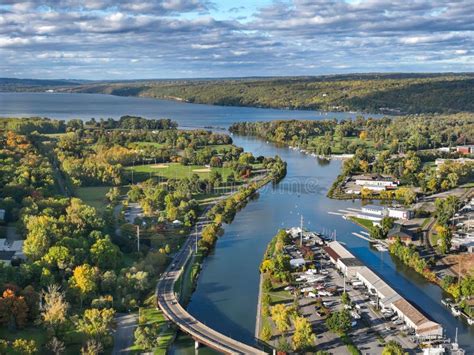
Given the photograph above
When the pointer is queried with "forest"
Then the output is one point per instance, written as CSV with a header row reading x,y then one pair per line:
x,y
79,265
375,93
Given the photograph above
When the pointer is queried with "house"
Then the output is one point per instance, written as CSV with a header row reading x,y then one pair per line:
x,y
465,149
376,182
399,231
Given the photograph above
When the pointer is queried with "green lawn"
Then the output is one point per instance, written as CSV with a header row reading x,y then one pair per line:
x,y
365,223
173,171
149,316
93,195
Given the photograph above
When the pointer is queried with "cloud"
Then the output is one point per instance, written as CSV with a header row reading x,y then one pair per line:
x,y
165,38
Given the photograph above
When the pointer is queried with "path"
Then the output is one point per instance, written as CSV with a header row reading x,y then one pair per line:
x,y
124,333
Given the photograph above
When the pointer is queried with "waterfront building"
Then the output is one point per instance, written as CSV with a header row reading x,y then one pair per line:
x,y
417,321
376,182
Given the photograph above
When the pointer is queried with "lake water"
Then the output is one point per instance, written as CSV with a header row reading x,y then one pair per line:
x,y
85,106
226,295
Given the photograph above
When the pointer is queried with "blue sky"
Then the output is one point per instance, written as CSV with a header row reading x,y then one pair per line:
x,y
131,39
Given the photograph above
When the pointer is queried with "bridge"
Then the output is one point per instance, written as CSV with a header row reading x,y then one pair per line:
x,y
168,302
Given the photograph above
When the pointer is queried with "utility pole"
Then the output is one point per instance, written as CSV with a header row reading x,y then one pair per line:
x,y
138,238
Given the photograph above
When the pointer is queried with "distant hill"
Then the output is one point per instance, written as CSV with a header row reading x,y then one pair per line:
x,y
14,84
392,93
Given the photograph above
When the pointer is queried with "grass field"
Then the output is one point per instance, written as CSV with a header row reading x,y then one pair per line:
x,y
173,171
365,223
149,316
93,196
339,148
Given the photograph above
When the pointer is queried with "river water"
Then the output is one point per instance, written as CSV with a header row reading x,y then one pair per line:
x,y
226,294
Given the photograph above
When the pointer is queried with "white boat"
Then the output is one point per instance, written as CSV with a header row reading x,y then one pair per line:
x,y
455,311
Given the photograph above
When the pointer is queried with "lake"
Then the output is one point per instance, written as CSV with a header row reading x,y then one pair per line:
x,y
85,106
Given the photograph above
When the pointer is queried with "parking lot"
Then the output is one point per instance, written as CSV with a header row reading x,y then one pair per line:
x,y
320,292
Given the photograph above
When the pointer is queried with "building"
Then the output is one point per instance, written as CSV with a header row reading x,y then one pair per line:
x,y
376,182
414,319
399,231
386,295
336,251
380,211
465,149
349,266
376,213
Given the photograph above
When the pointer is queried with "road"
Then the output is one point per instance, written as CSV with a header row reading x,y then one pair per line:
x,y
124,335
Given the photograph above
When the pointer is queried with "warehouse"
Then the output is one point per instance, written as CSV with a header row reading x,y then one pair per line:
x,y
414,319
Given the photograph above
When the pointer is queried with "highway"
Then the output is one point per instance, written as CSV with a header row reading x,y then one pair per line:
x,y
169,304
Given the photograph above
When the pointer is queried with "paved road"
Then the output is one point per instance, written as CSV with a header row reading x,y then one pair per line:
x,y
124,335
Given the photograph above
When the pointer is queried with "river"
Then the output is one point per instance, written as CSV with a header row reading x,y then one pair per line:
x,y
226,294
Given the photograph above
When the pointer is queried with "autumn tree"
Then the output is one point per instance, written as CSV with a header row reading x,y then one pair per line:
x,y
84,279
13,310
55,308
280,315
393,348
303,337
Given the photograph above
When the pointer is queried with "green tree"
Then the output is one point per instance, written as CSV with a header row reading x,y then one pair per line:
x,y
97,324
266,332
393,348
104,253
25,347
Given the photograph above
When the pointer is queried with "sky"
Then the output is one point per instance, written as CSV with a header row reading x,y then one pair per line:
x,y
143,39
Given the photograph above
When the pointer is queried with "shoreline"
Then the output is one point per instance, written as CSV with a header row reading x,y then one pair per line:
x,y
258,317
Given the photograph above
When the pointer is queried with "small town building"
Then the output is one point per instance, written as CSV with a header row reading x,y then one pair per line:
x,y
376,182
414,319
399,231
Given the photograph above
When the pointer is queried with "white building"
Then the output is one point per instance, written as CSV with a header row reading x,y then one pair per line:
x,y
376,182
376,213
372,281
